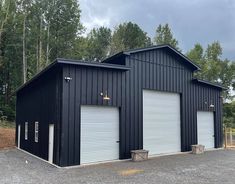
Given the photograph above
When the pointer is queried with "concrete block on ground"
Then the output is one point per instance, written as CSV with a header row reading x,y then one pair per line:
x,y
198,149
139,155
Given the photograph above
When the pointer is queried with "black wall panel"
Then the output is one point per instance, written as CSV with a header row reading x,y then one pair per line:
x,y
157,70
84,89
40,101
52,99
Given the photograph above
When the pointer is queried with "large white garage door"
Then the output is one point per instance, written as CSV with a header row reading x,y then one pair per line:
x,y
161,122
99,134
205,129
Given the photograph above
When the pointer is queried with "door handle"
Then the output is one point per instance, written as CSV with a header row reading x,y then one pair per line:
x,y
117,141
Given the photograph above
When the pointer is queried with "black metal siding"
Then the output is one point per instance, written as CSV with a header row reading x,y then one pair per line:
x,y
50,99
157,70
40,101
163,71
84,89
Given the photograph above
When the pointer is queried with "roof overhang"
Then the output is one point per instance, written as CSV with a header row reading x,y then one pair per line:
x,y
209,84
61,61
92,64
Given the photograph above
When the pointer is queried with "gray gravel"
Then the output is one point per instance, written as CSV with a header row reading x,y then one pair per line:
x,y
212,167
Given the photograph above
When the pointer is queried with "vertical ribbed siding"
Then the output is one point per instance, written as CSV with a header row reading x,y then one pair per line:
x,y
156,70
162,71
40,101
84,89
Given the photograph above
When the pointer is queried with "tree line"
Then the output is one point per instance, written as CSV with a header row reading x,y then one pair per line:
x,y
33,33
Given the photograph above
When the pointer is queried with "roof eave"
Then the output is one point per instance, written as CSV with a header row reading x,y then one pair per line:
x,y
210,84
72,62
92,64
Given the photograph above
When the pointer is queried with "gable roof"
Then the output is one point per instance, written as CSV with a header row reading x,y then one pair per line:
x,y
128,52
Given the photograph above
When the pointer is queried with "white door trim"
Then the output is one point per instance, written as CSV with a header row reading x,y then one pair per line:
x,y
51,143
18,136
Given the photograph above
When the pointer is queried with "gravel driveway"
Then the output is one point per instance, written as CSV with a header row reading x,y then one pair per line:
x,y
212,167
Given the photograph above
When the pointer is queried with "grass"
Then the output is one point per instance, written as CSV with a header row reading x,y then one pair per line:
x,y
7,124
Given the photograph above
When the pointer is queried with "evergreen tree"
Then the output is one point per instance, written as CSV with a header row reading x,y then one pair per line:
x,y
99,43
33,34
165,36
128,36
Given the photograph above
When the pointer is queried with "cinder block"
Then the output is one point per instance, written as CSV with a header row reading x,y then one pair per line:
x,y
198,149
139,155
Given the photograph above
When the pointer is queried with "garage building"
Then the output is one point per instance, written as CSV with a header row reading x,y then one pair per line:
x,y
77,112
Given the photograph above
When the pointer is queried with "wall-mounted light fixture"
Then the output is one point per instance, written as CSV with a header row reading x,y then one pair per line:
x,y
105,96
212,106
67,79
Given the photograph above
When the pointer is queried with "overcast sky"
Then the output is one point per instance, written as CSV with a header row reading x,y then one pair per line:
x,y
192,21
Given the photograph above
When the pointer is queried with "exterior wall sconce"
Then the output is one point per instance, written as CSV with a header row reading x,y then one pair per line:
x,y
212,106
105,96
67,79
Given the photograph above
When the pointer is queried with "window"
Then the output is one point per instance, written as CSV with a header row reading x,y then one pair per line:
x,y
26,130
36,131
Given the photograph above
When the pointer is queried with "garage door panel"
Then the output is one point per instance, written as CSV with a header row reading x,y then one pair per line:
x,y
161,122
90,157
99,133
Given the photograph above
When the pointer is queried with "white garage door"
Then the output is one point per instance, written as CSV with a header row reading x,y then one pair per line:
x,y
161,122
205,129
99,134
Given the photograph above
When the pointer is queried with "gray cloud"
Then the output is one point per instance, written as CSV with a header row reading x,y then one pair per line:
x,y
194,21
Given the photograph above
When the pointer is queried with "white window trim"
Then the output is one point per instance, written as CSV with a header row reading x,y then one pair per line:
x,y
36,130
26,130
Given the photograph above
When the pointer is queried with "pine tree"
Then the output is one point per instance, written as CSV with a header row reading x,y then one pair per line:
x,y
165,36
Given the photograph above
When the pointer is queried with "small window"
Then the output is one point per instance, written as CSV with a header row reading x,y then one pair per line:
x,y
36,131
26,130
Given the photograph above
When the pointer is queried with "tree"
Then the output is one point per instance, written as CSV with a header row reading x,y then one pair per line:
x,y
128,36
99,40
229,114
213,68
197,55
33,34
6,12
10,49
65,27
80,49
165,36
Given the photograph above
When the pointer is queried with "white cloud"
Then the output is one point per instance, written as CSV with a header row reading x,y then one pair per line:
x,y
194,21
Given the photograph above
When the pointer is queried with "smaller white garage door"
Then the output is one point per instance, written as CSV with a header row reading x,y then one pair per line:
x,y
99,134
205,129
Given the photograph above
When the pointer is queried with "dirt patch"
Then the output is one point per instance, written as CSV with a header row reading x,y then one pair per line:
x,y
129,172
7,137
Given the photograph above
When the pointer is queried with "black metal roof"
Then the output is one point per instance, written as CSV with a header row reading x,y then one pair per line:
x,y
91,64
209,83
73,62
128,52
